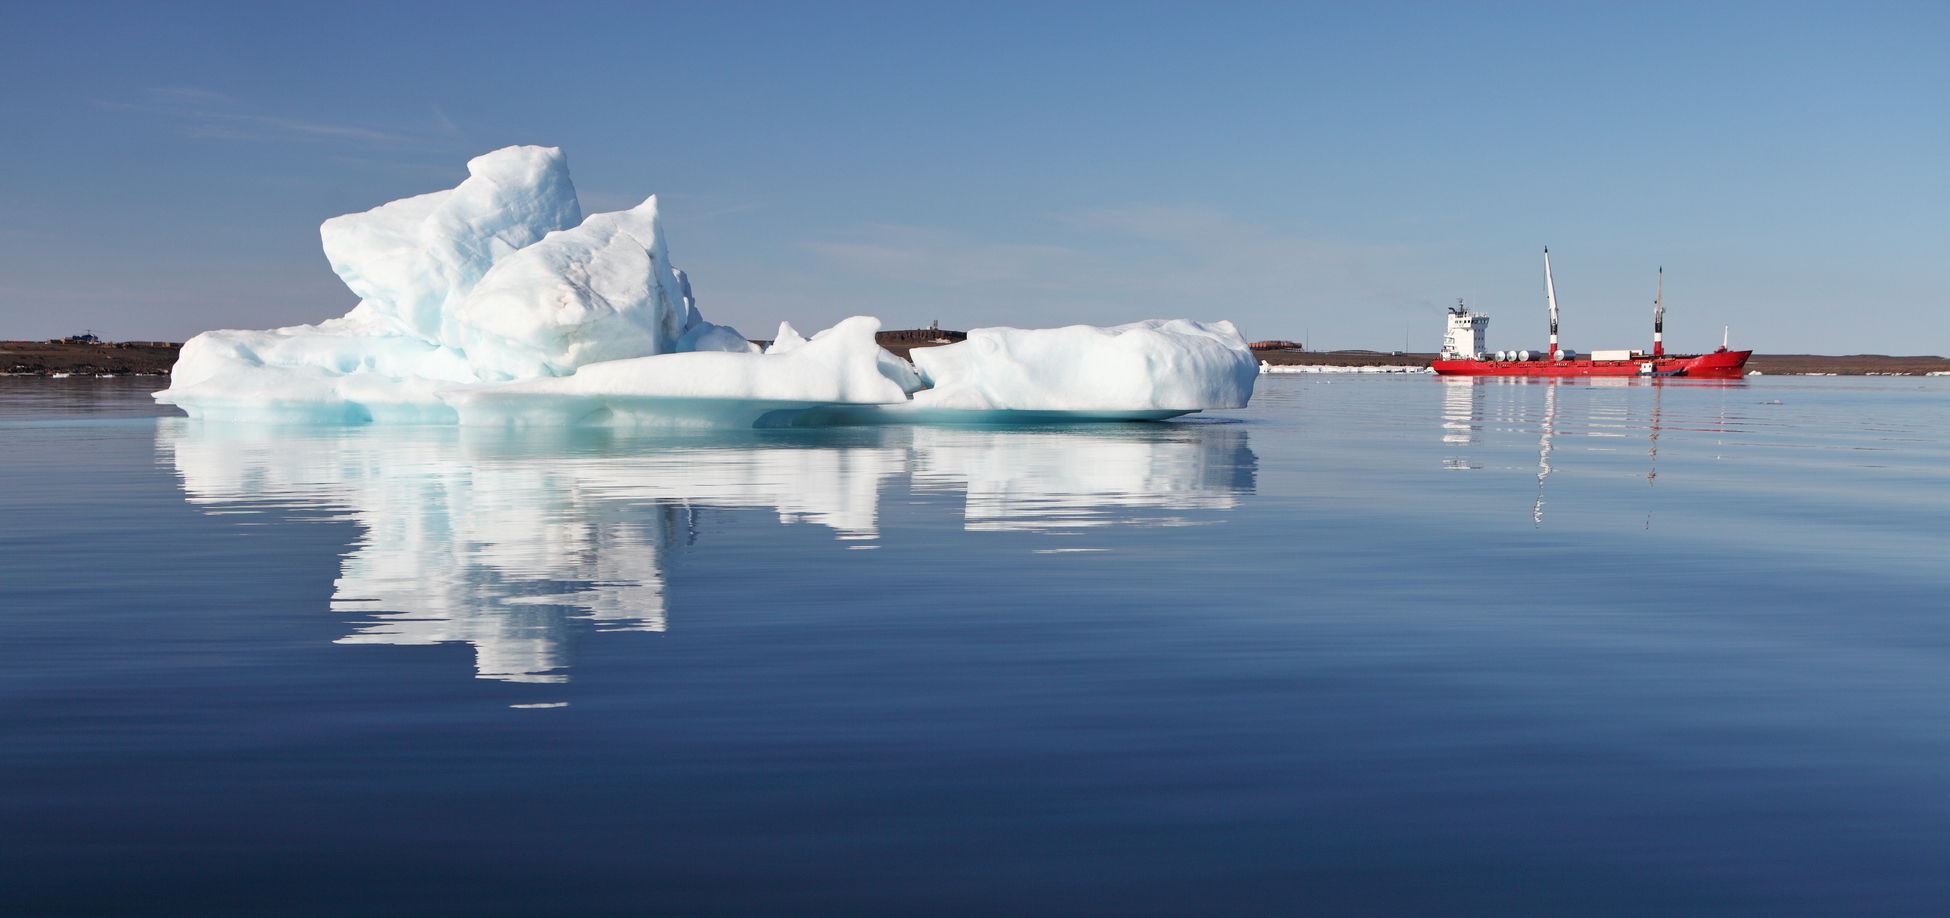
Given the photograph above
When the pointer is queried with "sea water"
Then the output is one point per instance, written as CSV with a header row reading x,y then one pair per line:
x,y
1374,646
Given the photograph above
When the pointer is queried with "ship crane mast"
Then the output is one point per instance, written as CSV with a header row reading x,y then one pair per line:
x,y
1659,316
1550,294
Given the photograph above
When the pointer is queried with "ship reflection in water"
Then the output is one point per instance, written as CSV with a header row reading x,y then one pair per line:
x,y
512,542
1485,416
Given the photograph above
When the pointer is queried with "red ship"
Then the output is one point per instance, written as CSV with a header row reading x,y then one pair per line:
x,y
1463,353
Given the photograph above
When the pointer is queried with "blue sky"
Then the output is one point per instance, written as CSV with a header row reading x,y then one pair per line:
x,y
1333,172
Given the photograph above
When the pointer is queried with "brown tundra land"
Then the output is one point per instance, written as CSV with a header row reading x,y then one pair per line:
x,y
154,358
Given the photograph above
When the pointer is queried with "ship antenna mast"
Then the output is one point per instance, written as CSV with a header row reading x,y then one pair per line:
x,y
1659,316
1550,295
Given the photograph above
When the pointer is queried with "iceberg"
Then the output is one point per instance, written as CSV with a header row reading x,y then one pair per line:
x,y
1157,364
498,303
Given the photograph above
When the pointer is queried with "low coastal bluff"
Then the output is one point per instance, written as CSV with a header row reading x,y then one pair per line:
x,y
85,356
72,357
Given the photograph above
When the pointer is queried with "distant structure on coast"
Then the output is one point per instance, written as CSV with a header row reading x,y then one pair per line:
x,y
902,340
86,354
920,337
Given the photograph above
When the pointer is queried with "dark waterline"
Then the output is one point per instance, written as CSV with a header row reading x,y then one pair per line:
x,y
1375,646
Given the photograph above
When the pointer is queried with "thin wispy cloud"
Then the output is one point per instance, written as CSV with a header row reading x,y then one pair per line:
x,y
208,115
1118,263
189,96
1121,249
939,257
445,124
1161,223
711,206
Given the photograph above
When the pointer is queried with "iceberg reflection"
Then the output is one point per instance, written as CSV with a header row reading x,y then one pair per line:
x,y
506,541
1035,481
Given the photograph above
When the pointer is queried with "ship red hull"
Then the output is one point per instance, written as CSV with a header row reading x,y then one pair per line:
x,y
1719,364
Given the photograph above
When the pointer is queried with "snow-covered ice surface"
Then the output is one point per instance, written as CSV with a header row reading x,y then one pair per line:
x,y
841,365
497,303
1157,364
1273,370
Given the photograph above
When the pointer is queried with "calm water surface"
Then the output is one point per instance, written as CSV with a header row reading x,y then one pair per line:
x,y
1375,646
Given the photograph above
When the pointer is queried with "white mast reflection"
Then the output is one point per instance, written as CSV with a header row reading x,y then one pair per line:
x,y
1544,450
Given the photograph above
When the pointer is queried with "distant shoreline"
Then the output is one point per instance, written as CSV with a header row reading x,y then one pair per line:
x,y
55,358
154,358
1766,364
